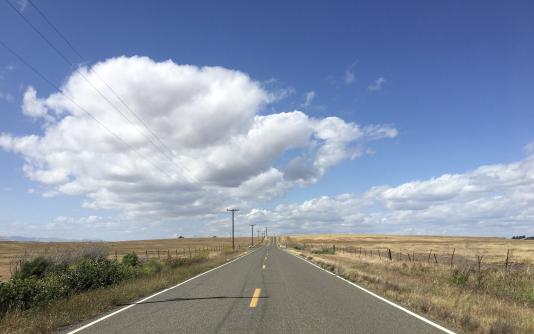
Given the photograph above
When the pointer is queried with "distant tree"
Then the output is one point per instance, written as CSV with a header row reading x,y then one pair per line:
x,y
181,237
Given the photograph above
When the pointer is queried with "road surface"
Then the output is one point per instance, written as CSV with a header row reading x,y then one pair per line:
x,y
267,291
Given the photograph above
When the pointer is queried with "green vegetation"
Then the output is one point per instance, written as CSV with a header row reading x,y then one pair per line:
x,y
130,259
460,277
324,250
42,280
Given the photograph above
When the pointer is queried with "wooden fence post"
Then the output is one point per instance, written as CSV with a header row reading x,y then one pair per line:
x,y
428,260
507,258
158,254
435,258
389,254
452,256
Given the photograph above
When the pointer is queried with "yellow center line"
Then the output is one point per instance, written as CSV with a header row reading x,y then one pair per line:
x,y
255,297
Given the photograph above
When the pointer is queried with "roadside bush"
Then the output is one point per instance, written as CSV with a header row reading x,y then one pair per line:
x,y
36,268
36,286
43,280
324,250
152,266
130,259
96,273
176,262
65,257
4,297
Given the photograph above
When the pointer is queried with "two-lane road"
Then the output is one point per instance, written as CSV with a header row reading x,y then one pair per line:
x,y
267,291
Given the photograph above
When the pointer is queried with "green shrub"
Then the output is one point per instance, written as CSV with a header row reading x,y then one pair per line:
x,y
35,286
4,297
130,259
460,277
96,273
21,292
324,250
36,268
42,280
152,266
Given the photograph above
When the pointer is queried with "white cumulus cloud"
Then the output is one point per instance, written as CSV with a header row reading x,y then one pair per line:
x,y
219,146
490,200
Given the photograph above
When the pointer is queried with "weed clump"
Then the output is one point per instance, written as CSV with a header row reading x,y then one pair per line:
x,y
324,250
502,327
460,277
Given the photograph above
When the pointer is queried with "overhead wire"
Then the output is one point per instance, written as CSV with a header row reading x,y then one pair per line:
x,y
168,155
53,85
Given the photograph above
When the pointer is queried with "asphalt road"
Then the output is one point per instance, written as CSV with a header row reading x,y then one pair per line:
x,y
267,291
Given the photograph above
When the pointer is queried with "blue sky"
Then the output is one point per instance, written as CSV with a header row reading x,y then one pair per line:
x,y
457,83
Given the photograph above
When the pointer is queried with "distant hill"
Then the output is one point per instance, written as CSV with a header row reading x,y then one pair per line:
x,y
30,239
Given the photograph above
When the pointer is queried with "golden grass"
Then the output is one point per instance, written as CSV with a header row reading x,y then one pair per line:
x,y
83,306
493,250
493,300
12,251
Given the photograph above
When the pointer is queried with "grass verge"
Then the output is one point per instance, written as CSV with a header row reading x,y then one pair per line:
x,y
79,307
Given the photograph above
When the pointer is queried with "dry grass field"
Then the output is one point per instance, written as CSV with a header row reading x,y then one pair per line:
x,y
463,296
491,250
13,251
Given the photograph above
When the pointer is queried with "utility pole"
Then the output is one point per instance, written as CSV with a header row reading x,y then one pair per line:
x,y
252,234
233,213
266,231
258,235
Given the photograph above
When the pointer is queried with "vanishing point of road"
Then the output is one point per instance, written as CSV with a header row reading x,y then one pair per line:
x,y
266,291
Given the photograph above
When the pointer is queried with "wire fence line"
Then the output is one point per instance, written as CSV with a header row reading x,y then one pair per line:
x,y
431,256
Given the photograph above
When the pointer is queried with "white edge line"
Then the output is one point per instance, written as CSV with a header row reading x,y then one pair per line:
x,y
157,293
379,297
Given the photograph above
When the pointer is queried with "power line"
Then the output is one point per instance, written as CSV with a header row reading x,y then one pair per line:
x,y
71,46
55,29
72,65
49,82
